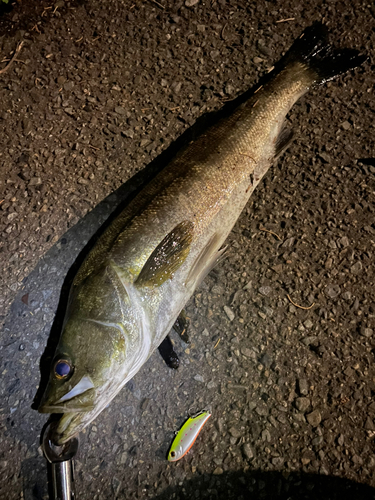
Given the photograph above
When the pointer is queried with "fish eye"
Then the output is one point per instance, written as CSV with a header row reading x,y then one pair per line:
x,y
62,369
173,454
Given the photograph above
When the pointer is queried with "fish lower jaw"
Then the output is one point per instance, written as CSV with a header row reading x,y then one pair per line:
x,y
63,409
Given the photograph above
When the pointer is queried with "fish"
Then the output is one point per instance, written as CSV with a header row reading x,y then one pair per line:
x,y
142,271
186,436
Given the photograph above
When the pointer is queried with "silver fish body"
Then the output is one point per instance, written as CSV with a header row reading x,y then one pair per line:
x,y
134,283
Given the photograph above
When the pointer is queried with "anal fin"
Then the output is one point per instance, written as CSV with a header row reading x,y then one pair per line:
x,y
206,261
283,141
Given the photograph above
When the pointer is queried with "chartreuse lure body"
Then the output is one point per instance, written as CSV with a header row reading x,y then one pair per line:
x,y
187,435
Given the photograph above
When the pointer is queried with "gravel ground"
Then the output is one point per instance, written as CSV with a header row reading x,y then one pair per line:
x,y
98,91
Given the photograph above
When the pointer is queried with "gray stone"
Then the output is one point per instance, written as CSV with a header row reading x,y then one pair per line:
x,y
128,133
325,157
314,418
266,436
191,3
332,291
266,360
249,353
345,125
303,386
366,332
312,339
289,242
369,424
356,268
116,485
278,461
235,432
332,244
35,181
228,311
344,241
302,404
308,324
120,110
199,378
247,451
318,440
357,460
176,87
265,290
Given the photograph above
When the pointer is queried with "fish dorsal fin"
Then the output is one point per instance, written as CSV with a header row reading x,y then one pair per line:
x,y
167,257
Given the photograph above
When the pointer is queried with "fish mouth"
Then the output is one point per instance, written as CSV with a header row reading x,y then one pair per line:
x,y
76,404
79,398
67,428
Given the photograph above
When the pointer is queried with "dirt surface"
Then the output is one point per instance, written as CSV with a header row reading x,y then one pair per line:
x,y
98,91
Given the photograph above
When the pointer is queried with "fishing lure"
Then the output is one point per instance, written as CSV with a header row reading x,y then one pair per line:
x,y
187,435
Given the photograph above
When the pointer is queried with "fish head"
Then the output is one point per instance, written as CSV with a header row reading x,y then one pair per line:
x,y
86,372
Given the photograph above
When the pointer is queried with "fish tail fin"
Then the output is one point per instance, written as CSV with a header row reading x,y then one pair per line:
x,y
313,50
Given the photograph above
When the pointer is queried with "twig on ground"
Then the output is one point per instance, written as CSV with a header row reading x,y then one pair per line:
x,y
158,4
16,52
286,20
301,307
271,232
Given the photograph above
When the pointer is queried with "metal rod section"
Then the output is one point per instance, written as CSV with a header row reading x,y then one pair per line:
x,y
62,480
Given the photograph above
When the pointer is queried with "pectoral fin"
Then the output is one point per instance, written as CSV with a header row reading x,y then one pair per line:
x,y
168,256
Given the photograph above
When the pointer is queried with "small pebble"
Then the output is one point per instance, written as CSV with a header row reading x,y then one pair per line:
x,y
235,432
332,291
302,404
366,332
356,268
266,360
314,418
308,324
228,311
303,386
265,290
247,451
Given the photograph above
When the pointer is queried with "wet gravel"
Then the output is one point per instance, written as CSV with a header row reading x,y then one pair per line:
x,y
101,91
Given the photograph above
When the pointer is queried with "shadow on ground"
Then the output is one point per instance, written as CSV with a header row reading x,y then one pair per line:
x,y
239,485
258,485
